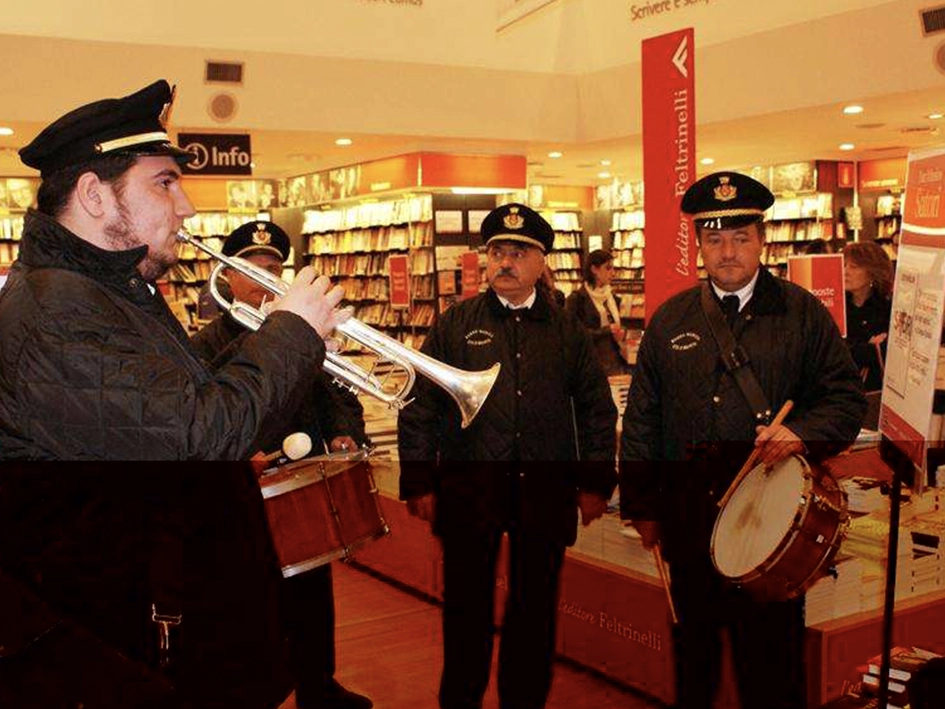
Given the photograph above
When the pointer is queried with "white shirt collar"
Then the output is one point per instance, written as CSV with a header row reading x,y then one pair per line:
x,y
744,293
527,303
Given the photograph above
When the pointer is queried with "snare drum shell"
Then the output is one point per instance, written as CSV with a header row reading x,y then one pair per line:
x,y
321,511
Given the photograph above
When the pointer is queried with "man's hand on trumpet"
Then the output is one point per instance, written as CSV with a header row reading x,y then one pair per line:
x,y
314,300
776,442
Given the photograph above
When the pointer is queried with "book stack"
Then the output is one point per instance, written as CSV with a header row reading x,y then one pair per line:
x,y
904,662
835,596
864,494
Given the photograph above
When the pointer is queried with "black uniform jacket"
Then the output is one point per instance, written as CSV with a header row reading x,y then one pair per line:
x,y
687,428
550,407
325,412
94,366
863,323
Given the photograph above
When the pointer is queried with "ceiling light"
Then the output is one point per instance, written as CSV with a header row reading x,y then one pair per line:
x,y
933,116
605,163
344,141
6,131
604,175
847,146
852,109
555,154
708,161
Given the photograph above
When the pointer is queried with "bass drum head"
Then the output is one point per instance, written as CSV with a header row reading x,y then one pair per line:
x,y
758,517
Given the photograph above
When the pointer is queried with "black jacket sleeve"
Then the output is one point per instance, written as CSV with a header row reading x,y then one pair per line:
x,y
641,442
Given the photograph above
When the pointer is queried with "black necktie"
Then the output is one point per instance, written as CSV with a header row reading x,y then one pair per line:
x,y
730,308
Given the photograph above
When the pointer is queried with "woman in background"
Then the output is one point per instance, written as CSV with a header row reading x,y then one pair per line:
x,y
868,281
595,307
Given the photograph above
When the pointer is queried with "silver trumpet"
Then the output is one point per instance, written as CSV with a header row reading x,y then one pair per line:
x,y
468,389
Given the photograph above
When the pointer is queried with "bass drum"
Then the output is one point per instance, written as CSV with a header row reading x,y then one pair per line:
x,y
780,530
321,509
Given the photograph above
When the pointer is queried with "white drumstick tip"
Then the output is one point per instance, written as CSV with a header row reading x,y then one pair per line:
x,y
297,445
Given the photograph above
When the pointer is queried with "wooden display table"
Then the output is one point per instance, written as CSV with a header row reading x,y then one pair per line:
x,y
616,620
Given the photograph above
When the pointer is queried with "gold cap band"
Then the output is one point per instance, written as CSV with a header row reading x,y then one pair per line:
x,y
130,140
728,213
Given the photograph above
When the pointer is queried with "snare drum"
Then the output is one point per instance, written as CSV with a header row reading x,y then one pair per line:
x,y
780,530
321,509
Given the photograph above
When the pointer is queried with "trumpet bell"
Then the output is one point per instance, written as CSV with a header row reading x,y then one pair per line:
x,y
468,389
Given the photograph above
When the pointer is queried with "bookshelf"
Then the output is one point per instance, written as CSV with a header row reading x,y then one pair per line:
x,y
888,222
627,244
352,245
565,259
792,223
11,231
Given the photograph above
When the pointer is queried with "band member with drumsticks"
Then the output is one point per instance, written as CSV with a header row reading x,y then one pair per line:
x,y
541,448
94,367
688,428
333,419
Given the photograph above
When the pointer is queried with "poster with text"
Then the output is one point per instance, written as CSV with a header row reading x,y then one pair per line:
x,y
915,329
822,275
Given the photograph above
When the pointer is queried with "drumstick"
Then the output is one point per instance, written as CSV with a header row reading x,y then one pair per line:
x,y
661,567
296,445
750,463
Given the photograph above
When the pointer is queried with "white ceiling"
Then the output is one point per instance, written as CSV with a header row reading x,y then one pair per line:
x,y
772,77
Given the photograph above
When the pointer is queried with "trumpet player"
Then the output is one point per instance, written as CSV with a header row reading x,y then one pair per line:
x,y
94,367
333,418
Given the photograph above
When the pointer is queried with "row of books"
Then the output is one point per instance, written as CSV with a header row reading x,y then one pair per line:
x,y
357,289
798,231
628,221
628,274
379,238
418,208
11,228
628,239
567,240
562,221
215,223
568,275
815,206
773,254
190,252
8,252
559,260
382,315
629,258
191,272
906,664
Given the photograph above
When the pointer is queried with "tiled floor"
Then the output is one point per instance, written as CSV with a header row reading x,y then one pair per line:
x,y
388,647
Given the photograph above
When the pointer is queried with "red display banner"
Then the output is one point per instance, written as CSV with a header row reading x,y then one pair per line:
x,y
822,275
846,175
669,163
469,263
399,281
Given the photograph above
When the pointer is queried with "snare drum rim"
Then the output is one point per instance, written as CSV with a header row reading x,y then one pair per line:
x,y
797,523
310,471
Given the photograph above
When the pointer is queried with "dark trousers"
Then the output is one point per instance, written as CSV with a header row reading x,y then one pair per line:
x,y
309,612
527,644
767,642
